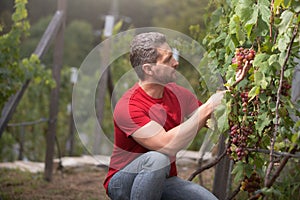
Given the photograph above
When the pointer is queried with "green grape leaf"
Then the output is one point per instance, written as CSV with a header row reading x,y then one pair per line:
x,y
254,92
244,10
240,35
269,191
252,21
286,3
260,58
238,172
273,59
296,6
283,42
262,121
260,80
277,4
264,8
295,138
221,114
234,20
286,19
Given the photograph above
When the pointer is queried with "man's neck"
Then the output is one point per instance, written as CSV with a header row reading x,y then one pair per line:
x,y
154,90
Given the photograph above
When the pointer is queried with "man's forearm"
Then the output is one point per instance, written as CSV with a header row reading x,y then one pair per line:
x,y
182,135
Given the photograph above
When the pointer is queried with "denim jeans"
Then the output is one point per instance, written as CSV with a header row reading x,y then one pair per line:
x,y
146,178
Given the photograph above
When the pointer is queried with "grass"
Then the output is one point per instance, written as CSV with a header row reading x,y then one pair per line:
x,y
15,183
72,184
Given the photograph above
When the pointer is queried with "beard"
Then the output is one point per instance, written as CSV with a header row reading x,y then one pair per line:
x,y
165,79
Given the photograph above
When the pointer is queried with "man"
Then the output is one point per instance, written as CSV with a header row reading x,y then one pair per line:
x,y
150,127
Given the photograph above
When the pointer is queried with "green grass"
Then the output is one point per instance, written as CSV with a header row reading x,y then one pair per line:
x,y
14,183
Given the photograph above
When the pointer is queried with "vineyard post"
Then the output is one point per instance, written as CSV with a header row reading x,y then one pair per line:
x,y
222,173
54,98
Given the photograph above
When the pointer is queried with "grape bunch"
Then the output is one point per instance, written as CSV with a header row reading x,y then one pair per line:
x,y
285,88
252,183
238,139
242,56
243,112
244,96
241,130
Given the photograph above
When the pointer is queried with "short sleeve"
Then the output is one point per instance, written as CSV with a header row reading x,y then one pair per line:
x,y
129,117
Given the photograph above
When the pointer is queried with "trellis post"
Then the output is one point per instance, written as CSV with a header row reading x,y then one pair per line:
x,y
54,98
222,173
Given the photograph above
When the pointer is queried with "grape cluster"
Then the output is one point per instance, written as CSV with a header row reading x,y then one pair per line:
x,y
242,56
238,138
285,88
242,128
244,96
252,183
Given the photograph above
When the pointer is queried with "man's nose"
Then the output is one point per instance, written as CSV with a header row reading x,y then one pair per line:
x,y
175,64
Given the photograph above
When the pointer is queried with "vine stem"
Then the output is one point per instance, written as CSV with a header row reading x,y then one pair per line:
x,y
275,153
280,168
235,192
273,139
209,165
272,17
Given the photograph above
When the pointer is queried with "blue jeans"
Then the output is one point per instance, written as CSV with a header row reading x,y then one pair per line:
x,y
147,178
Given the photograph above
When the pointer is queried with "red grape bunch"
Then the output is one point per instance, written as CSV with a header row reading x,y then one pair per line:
x,y
244,96
285,88
238,138
241,128
240,131
242,56
252,183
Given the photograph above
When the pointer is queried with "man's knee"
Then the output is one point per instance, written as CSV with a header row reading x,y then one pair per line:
x,y
156,160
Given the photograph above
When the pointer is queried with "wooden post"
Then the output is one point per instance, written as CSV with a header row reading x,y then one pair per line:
x,y
111,89
21,142
100,106
222,173
54,98
106,80
71,135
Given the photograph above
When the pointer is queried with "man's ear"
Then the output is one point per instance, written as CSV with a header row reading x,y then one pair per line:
x,y
147,68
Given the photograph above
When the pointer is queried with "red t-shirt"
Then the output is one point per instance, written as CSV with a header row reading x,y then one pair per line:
x,y
135,109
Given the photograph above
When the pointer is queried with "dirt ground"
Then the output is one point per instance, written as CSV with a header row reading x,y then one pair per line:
x,y
80,183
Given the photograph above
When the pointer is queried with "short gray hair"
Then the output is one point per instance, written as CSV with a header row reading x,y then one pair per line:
x,y
143,49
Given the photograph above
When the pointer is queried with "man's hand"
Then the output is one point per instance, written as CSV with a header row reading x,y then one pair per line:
x,y
240,75
216,99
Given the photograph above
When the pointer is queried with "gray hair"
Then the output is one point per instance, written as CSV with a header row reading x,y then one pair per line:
x,y
143,49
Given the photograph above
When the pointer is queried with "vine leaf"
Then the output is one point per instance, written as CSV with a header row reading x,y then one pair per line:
x,y
238,171
254,92
252,21
244,10
263,6
286,18
262,121
276,4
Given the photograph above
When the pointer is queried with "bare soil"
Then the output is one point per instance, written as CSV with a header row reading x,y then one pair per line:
x,y
80,183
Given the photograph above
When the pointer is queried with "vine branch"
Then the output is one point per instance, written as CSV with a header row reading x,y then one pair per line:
x,y
272,17
270,182
207,166
235,192
275,153
273,139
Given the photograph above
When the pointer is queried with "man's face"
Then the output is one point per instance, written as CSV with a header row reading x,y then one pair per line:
x,y
164,71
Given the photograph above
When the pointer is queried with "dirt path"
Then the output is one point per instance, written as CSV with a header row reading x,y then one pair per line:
x,y
80,183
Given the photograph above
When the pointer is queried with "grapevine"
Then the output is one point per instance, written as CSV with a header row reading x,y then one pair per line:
x,y
254,44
